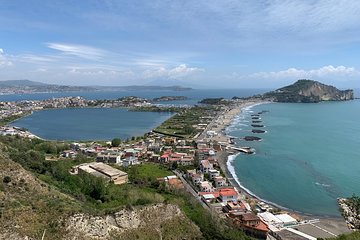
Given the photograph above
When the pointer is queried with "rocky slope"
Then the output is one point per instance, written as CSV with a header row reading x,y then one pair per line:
x,y
309,91
29,207
160,221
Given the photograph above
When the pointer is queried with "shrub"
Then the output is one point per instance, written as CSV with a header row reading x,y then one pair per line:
x,y
7,179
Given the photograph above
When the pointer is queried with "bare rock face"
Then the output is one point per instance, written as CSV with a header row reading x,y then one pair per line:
x,y
85,226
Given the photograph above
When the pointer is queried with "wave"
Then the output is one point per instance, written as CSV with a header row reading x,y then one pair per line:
x,y
322,184
231,169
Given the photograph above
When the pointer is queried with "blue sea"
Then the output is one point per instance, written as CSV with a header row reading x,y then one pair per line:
x,y
308,157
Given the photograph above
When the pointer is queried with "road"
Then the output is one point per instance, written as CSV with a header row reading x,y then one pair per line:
x,y
191,190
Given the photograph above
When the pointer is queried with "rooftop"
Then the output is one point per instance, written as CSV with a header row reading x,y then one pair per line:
x,y
102,168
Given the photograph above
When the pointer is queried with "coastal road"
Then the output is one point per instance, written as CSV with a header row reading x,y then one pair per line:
x,y
191,190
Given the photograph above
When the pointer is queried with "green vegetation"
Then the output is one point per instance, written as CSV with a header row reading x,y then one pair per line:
x,y
115,142
214,101
85,193
169,98
300,92
153,108
351,236
6,120
184,123
354,203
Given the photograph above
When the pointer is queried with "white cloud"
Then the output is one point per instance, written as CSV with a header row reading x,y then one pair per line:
x,y
4,59
294,73
179,71
81,51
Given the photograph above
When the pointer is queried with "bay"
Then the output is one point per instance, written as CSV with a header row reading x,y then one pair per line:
x,y
308,157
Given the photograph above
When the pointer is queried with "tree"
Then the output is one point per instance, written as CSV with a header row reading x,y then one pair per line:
x,y
7,179
115,142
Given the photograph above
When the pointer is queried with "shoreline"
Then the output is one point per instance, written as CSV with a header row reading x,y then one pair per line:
x,y
225,160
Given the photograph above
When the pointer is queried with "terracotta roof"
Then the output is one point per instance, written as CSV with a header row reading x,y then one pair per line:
x,y
228,192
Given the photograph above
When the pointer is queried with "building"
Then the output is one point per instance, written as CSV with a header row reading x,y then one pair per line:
x,y
228,194
197,178
220,181
213,173
251,224
99,169
109,158
235,207
129,161
69,154
205,166
205,186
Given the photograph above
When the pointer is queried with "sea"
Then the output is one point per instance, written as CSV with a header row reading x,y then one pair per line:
x,y
308,156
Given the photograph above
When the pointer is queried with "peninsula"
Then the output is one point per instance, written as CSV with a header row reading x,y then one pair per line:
x,y
309,91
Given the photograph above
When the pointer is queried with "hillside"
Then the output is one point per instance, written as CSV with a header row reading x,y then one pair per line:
x,y
19,83
27,86
309,91
28,207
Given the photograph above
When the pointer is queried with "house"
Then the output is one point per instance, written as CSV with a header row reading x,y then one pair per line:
x,y
109,158
232,207
155,147
220,181
205,166
228,194
165,157
213,173
99,169
129,161
205,186
187,161
209,196
69,154
130,152
190,173
170,140
251,224
197,178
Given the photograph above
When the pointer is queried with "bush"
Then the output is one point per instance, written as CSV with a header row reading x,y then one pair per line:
x,y
7,179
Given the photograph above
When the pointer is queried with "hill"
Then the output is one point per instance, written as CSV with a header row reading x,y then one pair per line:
x,y
27,86
20,83
309,91
29,206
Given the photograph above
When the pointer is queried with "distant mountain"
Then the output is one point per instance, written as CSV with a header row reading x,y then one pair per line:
x,y
27,86
17,83
307,91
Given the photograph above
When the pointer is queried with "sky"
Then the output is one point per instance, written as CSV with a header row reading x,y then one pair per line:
x,y
197,43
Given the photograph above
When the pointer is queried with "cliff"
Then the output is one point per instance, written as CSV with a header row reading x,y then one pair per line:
x,y
309,91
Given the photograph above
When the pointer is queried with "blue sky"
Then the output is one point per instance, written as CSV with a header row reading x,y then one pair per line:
x,y
201,43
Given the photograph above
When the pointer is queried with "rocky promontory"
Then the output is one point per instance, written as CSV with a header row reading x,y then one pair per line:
x,y
309,91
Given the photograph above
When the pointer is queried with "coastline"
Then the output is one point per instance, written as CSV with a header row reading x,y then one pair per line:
x,y
225,160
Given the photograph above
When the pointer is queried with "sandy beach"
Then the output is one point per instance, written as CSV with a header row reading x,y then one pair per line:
x,y
336,225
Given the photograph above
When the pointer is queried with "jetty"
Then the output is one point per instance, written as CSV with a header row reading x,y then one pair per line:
x,y
247,150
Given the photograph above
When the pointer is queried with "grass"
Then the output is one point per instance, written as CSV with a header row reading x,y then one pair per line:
x,y
351,236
